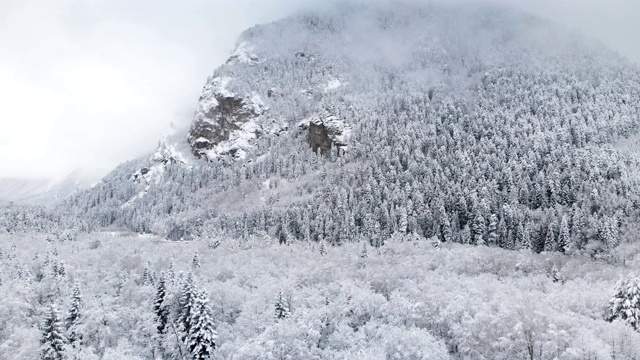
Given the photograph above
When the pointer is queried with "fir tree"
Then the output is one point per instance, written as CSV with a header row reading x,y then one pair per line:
x,y
555,274
478,229
282,308
550,239
73,316
492,231
202,336
402,220
53,340
147,275
563,235
185,304
195,262
159,307
445,228
171,272
62,270
625,303
323,249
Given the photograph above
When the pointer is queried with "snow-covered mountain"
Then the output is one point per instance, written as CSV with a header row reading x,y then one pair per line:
x,y
469,123
374,180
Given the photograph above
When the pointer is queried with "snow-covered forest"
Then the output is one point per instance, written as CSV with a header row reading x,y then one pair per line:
x,y
507,141
388,181
122,296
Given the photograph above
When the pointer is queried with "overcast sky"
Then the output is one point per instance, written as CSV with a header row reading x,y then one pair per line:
x,y
87,84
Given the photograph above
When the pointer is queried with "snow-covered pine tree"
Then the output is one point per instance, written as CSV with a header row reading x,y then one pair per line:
x,y
555,274
478,229
402,220
563,235
53,340
202,336
73,316
492,230
54,268
323,249
147,275
185,305
195,262
445,228
363,252
171,272
62,269
282,308
161,309
550,241
625,303
614,235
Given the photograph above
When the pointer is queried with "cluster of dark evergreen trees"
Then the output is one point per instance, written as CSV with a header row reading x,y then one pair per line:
x,y
58,333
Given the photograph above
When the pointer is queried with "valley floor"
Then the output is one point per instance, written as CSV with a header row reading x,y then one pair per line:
x,y
407,300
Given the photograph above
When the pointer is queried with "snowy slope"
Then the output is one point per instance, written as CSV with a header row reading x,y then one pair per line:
x,y
475,124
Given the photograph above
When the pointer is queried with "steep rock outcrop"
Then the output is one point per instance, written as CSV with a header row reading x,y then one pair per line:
x,y
220,115
326,132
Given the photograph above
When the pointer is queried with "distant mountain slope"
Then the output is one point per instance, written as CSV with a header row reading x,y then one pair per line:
x,y
468,123
41,191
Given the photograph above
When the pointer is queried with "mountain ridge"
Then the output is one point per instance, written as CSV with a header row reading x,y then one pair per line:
x,y
485,129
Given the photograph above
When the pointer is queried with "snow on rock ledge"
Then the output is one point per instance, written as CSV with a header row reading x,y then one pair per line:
x,y
325,132
224,123
243,54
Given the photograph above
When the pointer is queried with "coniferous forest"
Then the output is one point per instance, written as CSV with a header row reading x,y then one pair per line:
x,y
390,181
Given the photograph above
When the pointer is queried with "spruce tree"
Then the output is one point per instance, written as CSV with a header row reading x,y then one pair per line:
x,y
282,308
563,236
478,229
492,231
625,303
185,304
445,228
53,340
522,237
73,316
62,270
323,249
195,262
159,307
202,336
147,276
550,239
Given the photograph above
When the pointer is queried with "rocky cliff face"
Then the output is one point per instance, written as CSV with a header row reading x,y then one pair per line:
x,y
261,93
220,115
323,134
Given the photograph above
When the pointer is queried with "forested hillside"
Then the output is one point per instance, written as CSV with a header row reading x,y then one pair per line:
x,y
470,124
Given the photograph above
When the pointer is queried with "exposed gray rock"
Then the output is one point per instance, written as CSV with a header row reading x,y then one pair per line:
x,y
323,134
221,113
